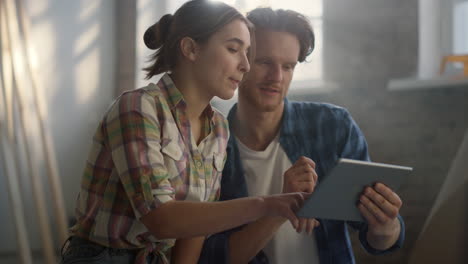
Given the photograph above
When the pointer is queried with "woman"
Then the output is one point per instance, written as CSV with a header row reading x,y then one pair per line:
x,y
153,173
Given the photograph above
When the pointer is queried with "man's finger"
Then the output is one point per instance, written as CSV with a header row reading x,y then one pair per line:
x,y
302,173
300,169
303,159
380,201
371,220
374,209
302,225
310,226
317,223
388,194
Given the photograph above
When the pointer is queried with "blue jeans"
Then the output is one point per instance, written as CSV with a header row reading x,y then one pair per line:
x,y
82,251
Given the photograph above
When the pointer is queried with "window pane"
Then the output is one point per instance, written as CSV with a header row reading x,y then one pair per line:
x,y
311,69
460,31
311,8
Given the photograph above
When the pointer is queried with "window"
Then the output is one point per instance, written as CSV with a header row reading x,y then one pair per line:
x,y
443,31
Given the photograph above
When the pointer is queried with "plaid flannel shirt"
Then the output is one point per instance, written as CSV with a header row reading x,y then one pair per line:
x,y
143,155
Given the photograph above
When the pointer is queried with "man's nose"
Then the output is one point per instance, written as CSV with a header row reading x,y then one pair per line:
x,y
275,73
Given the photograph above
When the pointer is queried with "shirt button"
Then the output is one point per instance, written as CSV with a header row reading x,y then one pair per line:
x,y
199,164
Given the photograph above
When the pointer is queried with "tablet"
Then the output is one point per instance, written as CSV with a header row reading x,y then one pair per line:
x,y
336,196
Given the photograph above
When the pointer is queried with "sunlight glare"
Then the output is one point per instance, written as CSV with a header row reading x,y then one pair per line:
x,y
310,7
229,2
89,8
87,86
86,39
33,58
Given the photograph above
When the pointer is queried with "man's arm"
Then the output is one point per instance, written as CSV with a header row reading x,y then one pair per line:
x,y
384,231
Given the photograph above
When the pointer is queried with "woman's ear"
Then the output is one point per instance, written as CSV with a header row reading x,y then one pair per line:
x,y
189,48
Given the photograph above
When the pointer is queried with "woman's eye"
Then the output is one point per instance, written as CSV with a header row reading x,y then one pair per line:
x,y
232,50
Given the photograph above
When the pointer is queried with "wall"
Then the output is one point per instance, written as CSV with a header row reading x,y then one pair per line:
x,y
447,222
76,53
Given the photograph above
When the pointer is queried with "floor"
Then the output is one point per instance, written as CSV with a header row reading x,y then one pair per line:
x,y
14,259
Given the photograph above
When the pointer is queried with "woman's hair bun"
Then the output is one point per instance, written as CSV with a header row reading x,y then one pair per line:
x,y
157,34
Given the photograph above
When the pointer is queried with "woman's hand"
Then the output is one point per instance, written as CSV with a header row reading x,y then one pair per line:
x,y
285,205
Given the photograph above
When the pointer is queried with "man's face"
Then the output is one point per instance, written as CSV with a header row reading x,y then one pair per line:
x,y
270,74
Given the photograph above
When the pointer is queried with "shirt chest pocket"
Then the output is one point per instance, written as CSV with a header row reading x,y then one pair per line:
x,y
218,161
174,159
214,178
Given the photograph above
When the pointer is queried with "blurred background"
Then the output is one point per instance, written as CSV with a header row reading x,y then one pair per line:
x,y
381,59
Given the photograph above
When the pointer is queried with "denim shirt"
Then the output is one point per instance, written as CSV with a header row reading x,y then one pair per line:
x,y
323,133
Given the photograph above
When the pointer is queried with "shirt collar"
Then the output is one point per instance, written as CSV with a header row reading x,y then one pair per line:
x,y
287,119
286,123
176,98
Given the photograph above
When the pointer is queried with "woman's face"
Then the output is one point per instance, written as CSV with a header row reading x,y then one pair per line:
x,y
222,60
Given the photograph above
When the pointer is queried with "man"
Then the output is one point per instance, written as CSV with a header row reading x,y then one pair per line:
x,y
282,146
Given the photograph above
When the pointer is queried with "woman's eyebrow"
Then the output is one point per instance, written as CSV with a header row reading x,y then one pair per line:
x,y
237,40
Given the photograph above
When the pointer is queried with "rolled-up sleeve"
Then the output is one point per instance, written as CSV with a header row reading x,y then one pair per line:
x,y
365,244
133,136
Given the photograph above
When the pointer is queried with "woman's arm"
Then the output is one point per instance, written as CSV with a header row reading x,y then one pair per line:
x,y
181,219
187,250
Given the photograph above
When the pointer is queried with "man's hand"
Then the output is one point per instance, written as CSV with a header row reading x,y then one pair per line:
x,y
307,225
301,177
380,206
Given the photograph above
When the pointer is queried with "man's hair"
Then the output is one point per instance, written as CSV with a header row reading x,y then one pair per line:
x,y
285,21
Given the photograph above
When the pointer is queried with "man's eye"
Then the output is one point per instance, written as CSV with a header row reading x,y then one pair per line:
x,y
232,50
289,67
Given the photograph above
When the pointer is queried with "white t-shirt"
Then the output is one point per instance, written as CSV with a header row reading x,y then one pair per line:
x,y
264,175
